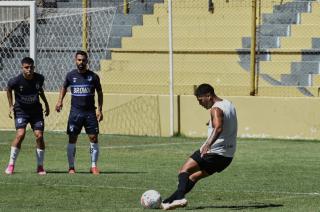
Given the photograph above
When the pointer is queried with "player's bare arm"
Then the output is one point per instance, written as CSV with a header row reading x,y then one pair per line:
x,y
44,99
10,101
100,103
217,124
59,104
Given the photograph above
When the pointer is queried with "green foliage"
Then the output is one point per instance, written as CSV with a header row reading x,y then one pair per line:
x,y
269,175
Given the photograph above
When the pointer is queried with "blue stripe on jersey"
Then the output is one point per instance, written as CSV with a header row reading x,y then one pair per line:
x,y
82,90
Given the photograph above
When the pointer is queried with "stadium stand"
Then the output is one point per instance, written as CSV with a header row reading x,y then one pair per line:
x,y
208,47
143,59
59,35
297,66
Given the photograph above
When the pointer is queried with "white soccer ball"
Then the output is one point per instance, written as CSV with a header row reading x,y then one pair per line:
x,y
151,199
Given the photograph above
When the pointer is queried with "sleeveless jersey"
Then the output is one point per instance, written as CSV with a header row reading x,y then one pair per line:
x,y
225,145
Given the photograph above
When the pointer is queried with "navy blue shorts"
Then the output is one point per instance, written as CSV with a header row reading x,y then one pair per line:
x,y
36,121
211,163
86,119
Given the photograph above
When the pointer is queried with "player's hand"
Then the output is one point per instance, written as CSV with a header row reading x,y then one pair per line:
x,y
204,149
99,116
47,111
10,112
59,107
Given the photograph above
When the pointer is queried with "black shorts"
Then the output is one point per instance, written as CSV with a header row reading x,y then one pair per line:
x,y
86,119
36,122
211,163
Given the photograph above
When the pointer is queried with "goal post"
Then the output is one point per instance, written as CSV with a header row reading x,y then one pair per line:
x,y
5,6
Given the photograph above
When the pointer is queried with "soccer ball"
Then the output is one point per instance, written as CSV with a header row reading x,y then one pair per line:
x,y
151,199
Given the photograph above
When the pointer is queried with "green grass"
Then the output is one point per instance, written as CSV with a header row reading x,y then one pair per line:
x,y
266,175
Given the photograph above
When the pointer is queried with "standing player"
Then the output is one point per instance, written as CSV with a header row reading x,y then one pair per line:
x,y
27,108
217,151
83,83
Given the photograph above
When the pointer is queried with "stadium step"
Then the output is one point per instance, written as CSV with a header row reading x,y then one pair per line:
x,y
146,77
305,30
192,31
205,19
122,54
179,66
160,89
287,91
274,68
296,43
310,18
201,43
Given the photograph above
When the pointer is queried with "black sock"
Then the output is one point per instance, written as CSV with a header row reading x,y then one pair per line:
x,y
182,186
190,185
171,198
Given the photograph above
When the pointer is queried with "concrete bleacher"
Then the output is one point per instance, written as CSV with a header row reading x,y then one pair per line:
x,y
52,36
292,59
143,58
227,29
205,43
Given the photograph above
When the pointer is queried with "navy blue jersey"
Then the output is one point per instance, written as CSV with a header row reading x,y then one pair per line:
x,y
82,87
26,93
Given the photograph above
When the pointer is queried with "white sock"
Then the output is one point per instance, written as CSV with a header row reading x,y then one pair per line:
x,y
71,153
40,156
13,155
94,153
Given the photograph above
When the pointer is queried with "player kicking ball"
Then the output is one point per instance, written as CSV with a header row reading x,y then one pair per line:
x,y
83,84
27,88
217,151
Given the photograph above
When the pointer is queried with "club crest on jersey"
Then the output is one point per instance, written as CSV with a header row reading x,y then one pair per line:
x,y
71,127
74,79
19,120
89,78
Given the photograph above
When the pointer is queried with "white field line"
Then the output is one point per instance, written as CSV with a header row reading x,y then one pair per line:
x,y
141,188
119,147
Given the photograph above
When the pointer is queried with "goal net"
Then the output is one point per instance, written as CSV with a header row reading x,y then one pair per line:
x,y
14,37
62,32
52,39
59,34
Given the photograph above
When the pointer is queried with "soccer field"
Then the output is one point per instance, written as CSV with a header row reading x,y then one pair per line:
x,y
266,175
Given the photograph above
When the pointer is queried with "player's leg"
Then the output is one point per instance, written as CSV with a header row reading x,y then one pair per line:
x,y
92,129
191,171
71,152
185,184
94,154
40,150
37,124
198,167
75,123
20,124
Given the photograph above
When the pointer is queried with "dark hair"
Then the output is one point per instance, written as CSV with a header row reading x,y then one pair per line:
x,y
27,60
83,53
204,89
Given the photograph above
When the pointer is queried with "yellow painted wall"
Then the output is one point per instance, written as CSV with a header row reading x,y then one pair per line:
x,y
270,117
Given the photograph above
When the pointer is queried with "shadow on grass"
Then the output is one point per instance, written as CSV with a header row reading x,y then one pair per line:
x,y
238,207
83,172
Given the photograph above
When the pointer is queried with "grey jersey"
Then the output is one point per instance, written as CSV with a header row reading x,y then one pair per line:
x,y
225,145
